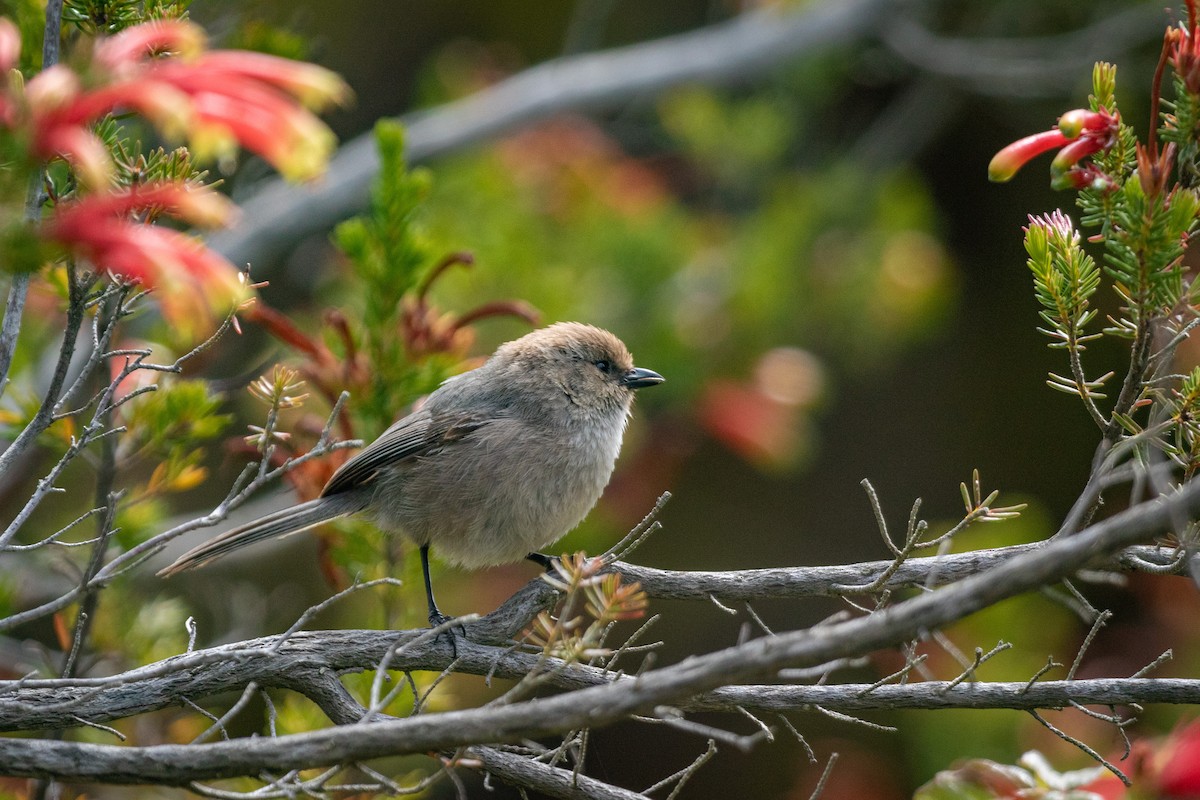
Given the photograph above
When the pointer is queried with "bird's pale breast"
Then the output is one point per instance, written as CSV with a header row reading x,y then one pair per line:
x,y
512,487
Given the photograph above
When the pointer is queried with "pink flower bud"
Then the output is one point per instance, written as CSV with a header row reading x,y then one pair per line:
x,y
51,90
10,45
1057,223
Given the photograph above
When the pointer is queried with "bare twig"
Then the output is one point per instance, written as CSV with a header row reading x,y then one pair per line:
x,y
1068,738
825,773
600,705
681,777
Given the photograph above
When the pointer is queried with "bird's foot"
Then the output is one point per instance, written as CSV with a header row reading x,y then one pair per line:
x,y
450,631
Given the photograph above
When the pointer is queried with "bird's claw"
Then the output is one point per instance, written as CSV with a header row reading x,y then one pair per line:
x,y
439,620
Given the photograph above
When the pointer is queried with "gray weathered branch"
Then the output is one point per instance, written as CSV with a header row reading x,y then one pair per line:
x,y
601,705
289,661
832,581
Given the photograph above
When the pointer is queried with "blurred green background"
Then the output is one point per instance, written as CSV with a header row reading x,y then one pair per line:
x,y
814,258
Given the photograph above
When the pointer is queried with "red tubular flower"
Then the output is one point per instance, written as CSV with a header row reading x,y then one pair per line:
x,y
82,150
286,136
314,87
1080,120
193,281
162,104
236,98
219,100
1005,164
1079,134
1069,156
1083,178
84,220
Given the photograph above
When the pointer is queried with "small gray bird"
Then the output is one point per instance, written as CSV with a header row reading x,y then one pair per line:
x,y
498,463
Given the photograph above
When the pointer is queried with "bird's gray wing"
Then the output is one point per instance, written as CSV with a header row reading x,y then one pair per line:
x,y
417,434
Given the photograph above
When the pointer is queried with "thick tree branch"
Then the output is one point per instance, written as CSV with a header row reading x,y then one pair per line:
x,y
831,581
290,661
601,705
300,662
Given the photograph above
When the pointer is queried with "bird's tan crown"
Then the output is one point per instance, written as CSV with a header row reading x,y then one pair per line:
x,y
577,340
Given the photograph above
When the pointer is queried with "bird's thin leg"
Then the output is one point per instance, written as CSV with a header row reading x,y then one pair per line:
x,y
542,560
436,617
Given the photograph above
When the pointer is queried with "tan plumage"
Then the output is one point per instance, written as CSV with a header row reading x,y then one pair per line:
x,y
499,462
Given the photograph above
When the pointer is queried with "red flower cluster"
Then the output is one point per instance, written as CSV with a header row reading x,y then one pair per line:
x,y
1079,134
193,282
217,100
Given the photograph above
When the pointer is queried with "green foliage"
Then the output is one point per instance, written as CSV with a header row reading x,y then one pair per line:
x,y
1064,279
94,17
1119,160
1183,404
1098,206
262,37
843,260
831,257
393,260
1181,120
177,417
142,517
740,141
136,165
1143,234
148,629
30,17
390,255
1143,249
1138,200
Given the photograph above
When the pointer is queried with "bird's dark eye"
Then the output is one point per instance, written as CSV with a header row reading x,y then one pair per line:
x,y
602,365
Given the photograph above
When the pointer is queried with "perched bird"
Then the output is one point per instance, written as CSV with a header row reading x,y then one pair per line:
x,y
498,463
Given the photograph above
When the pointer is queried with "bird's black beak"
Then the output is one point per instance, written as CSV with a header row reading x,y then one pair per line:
x,y
638,378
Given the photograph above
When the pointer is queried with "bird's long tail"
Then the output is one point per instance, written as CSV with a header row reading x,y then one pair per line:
x,y
281,523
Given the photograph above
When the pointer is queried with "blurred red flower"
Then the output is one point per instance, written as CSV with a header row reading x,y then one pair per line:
x,y
111,231
219,100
